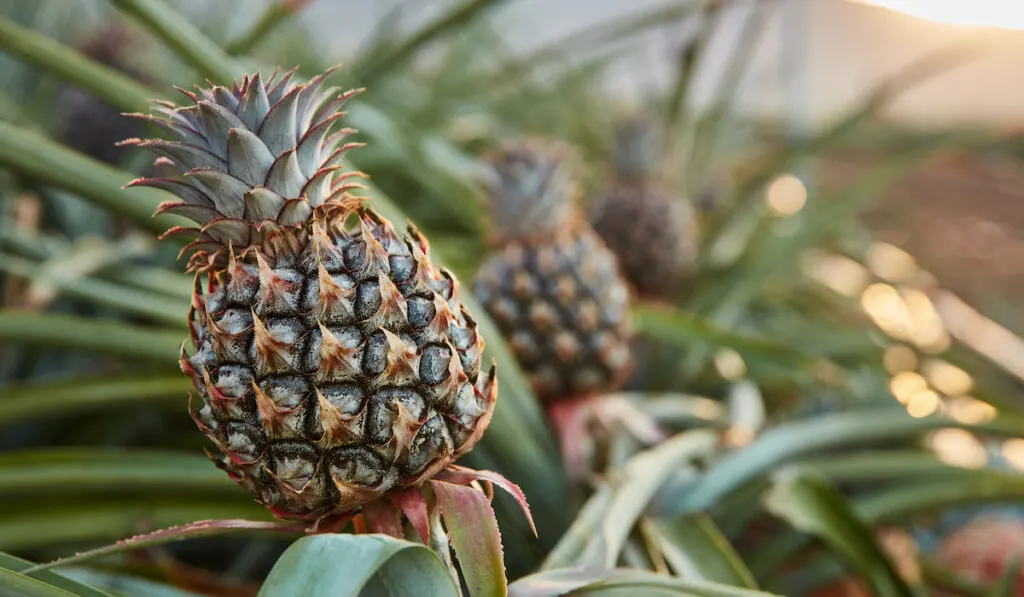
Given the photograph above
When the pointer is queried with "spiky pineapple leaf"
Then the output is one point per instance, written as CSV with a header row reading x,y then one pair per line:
x,y
598,534
350,565
71,397
789,441
695,548
103,81
53,472
18,565
123,584
192,530
604,582
473,532
812,506
127,300
19,585
42,159
186,40
90,335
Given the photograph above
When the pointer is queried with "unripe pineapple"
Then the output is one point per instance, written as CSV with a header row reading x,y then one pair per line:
x,y
335,363
552,286
89,124
653,233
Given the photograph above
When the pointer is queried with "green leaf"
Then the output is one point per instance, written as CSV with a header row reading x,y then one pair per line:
x,y
598,534
696,549
457,16
192,530
344,565
273,15
34,523
683,328
90,335
124,585
71,471
67,397
9,562
814,507
115,296
584,581
966,486
100,80
804,437
42,159
19,585
184,38
473,531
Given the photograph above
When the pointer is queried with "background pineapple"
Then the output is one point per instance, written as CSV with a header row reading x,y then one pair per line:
x,y
88,123
552,286
653,232
334,361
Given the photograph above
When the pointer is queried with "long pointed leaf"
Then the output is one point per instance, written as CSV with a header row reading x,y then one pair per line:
x,y
71,397
812,506
343,565
14,564
90,335
184,38
695,548
473,531
42,159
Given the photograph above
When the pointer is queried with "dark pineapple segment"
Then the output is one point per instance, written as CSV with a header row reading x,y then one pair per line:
x,y
564,310
339,371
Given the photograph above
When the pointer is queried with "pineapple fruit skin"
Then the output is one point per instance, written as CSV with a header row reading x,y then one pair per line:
x,y
552,286
653,234
333,361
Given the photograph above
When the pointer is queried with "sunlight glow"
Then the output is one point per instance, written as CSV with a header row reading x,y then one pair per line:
x,y
1003,14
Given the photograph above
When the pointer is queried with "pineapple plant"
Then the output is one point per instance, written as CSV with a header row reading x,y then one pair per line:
x,y
87,123
334,362
653,232
553,288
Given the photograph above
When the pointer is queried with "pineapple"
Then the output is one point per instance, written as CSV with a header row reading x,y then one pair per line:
x,y
88,124
334,362
552,286
653,233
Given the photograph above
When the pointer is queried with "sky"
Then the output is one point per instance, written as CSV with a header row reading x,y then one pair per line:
x,y
1004,14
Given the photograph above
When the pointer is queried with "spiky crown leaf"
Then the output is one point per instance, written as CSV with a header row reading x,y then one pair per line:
x,y
636,152
253,158
531,187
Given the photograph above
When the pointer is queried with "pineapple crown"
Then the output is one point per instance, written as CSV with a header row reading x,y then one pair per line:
x,y
252,158
531,187
636,153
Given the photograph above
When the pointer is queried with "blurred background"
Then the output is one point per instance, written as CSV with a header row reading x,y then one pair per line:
x,y
855,170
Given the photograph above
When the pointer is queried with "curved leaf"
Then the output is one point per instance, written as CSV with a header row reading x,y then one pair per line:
x,y
45,160
68,397
59,581
473,532
187,41
36,523
19,585
812,506
584,581
343,565
90,335
194,530
793,440
598,534
124,584
71,471
695,548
